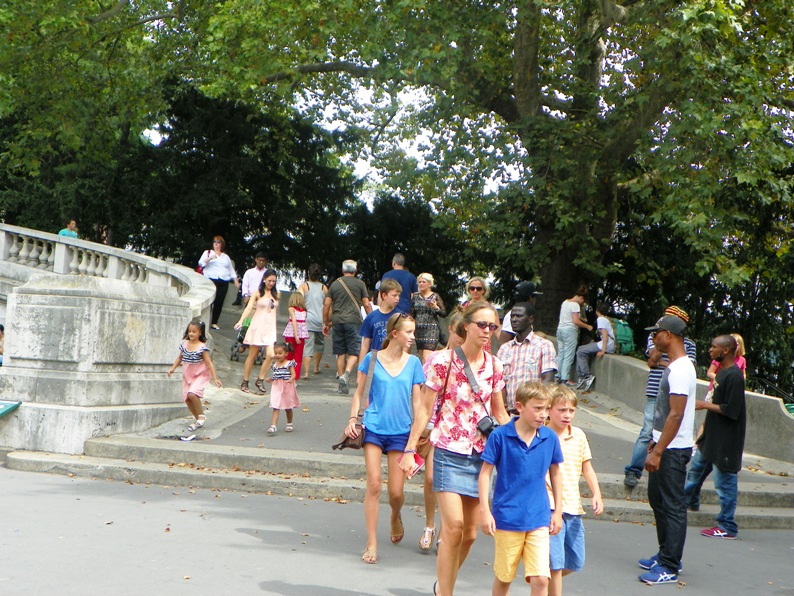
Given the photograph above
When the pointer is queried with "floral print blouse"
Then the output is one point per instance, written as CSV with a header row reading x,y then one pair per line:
x,y
456,423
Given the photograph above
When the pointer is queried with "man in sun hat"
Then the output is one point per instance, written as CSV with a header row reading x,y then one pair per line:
x,y
669,452
657,362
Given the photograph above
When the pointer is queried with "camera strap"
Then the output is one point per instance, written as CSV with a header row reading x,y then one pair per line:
x,y
467,369
475,386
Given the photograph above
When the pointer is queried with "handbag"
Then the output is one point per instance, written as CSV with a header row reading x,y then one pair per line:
x,y
358,442
199,268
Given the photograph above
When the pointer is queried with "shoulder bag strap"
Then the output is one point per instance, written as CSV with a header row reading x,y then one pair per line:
x,y
446,382
349,293
469,374
373,356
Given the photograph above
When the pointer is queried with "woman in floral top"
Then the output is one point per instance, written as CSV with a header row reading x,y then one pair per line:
x,y
458,443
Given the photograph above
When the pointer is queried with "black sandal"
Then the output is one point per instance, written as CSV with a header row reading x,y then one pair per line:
x,y
244,387
260,385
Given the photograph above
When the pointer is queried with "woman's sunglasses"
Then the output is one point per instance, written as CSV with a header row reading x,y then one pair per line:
x,y
476,288
484,325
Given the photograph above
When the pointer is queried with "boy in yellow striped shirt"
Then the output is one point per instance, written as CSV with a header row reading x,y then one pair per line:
x,y
567,550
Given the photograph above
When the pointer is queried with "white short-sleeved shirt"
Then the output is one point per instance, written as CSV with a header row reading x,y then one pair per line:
x,y
679,378
567,310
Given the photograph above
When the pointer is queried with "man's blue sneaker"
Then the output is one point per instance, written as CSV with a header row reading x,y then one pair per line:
x,y
653,562
658,574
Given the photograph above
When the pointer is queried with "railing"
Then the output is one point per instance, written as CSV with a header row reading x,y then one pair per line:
x,y
767,387
70,256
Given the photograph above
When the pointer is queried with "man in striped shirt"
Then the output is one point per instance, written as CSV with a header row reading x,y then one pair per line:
x,y
657,362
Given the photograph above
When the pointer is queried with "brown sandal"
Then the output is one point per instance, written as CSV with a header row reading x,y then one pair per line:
x,y
260,385
370,556
397,530
244,387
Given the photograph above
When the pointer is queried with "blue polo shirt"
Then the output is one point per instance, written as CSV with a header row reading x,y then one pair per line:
x,y
520,500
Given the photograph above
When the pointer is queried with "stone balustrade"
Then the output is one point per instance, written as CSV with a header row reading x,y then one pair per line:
x,y
90,333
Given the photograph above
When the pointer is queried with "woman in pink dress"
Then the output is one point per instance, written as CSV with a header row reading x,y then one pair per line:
x,y
262,330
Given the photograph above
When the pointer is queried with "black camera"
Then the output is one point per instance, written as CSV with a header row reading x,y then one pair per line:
x,y
486,425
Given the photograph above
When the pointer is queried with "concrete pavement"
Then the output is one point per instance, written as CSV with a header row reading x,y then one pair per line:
x,y
73,536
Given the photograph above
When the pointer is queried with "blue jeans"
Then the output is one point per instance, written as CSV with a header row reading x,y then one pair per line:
x,y
583,354
566,348
637,464
668,501
725,483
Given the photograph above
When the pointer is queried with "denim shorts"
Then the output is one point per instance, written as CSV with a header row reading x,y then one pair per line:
x,y
455,473
387,442
566,549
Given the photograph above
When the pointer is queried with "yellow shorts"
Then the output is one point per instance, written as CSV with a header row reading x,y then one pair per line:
x,y
512,547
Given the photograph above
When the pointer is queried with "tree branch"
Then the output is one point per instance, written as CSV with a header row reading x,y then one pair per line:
x,y
119,7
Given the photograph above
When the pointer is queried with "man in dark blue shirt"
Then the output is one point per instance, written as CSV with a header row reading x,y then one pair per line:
x,y
405,278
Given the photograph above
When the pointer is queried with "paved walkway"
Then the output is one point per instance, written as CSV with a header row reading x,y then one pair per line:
x,y
70,535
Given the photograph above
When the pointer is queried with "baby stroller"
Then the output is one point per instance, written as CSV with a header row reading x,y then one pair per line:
x,y
238,347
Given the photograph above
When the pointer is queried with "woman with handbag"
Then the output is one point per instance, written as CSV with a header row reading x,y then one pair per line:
x,y
216,266
426,308
468,385
393,378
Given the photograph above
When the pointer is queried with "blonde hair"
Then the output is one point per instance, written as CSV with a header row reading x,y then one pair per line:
x,y
296,300
486,290
532,390
395,323
562,394
739,344
428,278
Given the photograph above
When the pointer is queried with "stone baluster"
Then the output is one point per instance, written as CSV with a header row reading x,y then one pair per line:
x,y
13,252
44,257
127,270
101,269
75,262
33,256
83,267
23,254
91,257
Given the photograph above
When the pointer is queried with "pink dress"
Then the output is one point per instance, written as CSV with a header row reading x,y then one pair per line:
x,y
283,395
262,330
195,372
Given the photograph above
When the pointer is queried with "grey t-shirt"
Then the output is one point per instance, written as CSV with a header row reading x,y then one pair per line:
x,y
314,305
345,310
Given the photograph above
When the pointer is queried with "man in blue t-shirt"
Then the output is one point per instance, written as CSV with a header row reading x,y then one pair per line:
x,y
405,278
373,329
70,230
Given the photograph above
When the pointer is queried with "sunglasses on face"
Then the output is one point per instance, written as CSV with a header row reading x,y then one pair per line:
x,y
476,288
484,325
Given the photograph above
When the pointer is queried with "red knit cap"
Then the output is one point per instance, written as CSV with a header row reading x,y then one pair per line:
x,y
677,312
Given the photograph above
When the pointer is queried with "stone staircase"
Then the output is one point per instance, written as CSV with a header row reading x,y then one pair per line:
x,y
340,477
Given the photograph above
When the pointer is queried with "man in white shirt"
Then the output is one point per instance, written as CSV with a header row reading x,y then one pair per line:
x,y
669,452
253,277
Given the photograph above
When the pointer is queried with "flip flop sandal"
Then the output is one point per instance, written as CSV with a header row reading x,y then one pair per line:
x,y
426,541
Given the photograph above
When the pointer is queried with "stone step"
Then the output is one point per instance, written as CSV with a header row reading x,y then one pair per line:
x,y
202,454
339,488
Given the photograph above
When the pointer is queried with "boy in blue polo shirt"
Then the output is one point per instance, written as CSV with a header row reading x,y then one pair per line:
x,y
522,451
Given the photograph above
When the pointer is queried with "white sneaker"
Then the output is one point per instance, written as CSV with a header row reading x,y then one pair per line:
x,y
588,382
343,388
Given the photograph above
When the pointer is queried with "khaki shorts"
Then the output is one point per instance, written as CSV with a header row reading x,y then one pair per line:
x,y
512,547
